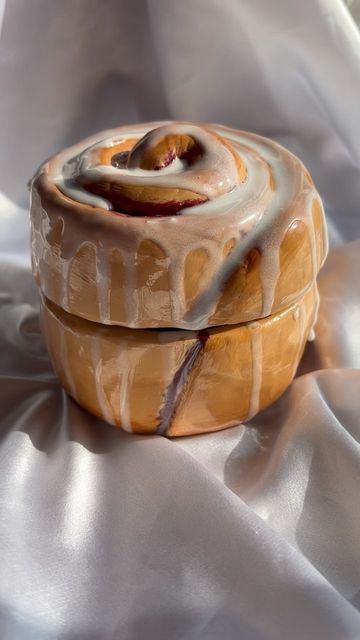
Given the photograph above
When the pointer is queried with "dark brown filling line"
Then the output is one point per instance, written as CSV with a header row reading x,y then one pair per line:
x,y
152,209
176,388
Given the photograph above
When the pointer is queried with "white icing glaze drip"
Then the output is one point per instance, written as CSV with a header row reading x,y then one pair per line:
x,y
268,228
124,384
97,364
312,334
256,359
254,214
300,318
65,271
269,271
311,233
102,279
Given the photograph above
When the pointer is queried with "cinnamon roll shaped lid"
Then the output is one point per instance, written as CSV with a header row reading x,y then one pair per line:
x,y
175,225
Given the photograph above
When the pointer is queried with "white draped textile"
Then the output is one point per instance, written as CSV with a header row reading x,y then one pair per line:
x,y
252,533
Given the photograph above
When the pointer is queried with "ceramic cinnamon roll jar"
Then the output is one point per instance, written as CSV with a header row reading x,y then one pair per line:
x,y
177,266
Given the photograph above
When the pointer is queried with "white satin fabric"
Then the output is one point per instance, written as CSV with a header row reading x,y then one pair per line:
x,y
252,533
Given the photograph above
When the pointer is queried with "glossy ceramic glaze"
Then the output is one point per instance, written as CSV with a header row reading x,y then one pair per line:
x,y
177,265
178,382
252,246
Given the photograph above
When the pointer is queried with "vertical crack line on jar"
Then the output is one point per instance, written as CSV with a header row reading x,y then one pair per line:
x,y
176,388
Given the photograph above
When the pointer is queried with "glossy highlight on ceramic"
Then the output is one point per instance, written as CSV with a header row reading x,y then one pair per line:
x,y
177,265
216,263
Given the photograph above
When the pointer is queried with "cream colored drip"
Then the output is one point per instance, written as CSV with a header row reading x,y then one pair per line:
x,y
65,272
132,302
36,239
254,214
77,193
39,234
176,283
36,245
311,233
269,274
124,399
64,165
267,234
270,246
312,334
256,359
96,360
325,236
300,317
102,283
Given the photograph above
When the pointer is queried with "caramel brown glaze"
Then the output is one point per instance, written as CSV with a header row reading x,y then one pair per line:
x,y
155,151
177,382
239,256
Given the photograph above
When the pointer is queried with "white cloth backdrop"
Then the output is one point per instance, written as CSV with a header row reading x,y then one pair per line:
x,y
252,533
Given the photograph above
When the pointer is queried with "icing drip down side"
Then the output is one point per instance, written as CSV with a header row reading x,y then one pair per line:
x,y
266,190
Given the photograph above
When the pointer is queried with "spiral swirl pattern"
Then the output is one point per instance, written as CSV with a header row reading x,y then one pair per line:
x,y
170,168
175,225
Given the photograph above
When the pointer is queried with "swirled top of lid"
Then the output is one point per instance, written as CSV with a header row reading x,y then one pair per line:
x,y
170,168
109,243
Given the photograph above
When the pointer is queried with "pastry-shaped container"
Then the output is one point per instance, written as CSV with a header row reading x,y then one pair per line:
x,y
177,265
